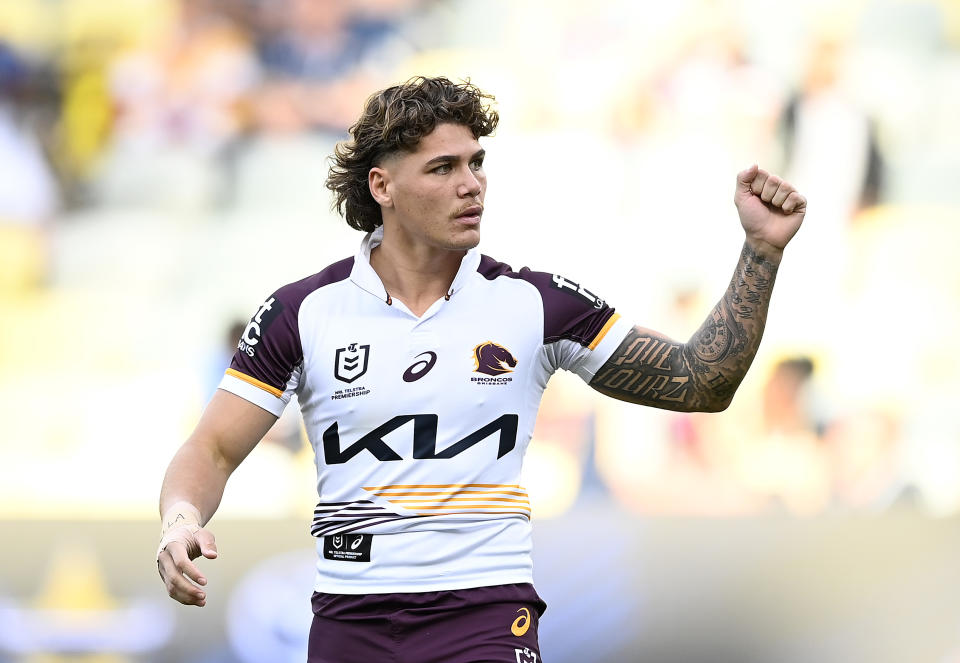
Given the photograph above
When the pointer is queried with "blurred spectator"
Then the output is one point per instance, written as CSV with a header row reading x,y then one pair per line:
x,y
866,462
322,58
29,194
178,102
830,145
783,459
832,155
785,405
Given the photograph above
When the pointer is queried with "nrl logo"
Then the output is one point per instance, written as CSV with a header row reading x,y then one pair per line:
x,y
525,655
351,362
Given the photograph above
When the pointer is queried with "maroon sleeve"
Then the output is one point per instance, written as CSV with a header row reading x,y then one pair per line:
x,y
570,311
269,349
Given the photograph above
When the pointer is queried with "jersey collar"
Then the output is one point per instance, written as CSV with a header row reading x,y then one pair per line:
x,y
364,275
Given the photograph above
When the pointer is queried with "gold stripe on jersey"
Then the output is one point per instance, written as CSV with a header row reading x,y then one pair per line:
x,y
461,507
463,499
384,493
525,514
422,500
603,332
255,382
445,485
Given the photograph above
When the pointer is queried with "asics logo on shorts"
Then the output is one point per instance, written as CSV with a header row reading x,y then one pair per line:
x,y
521,624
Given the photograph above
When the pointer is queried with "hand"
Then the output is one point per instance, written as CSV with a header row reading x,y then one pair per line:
x,y
770,209
177,570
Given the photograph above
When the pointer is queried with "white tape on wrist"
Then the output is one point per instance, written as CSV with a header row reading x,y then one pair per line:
x,y
180,522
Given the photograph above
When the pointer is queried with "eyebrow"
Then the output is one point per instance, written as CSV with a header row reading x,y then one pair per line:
x,y
446,158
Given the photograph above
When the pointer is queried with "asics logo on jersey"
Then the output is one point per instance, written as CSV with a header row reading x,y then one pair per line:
x,y
561,283
493,359
424,439
251,336
351,362
521,624
421,367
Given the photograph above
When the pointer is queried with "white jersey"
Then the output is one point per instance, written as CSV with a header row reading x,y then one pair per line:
x,y
420,424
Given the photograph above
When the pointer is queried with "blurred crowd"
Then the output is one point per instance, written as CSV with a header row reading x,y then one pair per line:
x,y
102,112
197,107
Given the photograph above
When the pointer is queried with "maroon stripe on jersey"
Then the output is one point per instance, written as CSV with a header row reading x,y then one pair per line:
x,y
269,349
569,312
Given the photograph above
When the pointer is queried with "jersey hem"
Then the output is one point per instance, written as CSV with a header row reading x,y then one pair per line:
x,y
419,585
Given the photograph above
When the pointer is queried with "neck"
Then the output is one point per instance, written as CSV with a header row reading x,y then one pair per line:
x,y
416,275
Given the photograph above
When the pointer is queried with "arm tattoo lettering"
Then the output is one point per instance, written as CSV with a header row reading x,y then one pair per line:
x,y
703,373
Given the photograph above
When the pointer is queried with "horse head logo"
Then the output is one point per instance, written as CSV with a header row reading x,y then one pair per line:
x,y
493,359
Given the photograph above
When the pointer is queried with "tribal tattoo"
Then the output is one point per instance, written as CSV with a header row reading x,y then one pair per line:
x,y
703,373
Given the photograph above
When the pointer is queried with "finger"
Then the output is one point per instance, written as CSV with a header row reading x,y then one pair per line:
x,y
208,544
794,203
178,587
756,186
784,190
770,188
190,570
182,565
184,591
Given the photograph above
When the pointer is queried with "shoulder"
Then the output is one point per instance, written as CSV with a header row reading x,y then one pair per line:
x,y
570,311
280,310
293,294
287,299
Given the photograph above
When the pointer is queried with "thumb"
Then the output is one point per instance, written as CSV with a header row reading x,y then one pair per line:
x,y
208,545
745,178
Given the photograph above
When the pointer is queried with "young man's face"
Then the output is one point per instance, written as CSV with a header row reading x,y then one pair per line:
x,y
434,195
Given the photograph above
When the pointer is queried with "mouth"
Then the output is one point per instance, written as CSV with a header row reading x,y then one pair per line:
x,y
471,215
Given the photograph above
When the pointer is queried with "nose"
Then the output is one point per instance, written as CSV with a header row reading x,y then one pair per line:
x,y
471,186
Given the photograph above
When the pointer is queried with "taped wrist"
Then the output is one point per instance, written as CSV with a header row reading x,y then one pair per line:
x,y
179,523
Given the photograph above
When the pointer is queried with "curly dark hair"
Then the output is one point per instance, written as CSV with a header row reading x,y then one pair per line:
x,y
393,120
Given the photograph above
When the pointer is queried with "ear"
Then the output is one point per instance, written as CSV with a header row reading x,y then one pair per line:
x,y
378,179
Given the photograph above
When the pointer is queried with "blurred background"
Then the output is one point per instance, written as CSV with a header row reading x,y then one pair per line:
x,y
161,171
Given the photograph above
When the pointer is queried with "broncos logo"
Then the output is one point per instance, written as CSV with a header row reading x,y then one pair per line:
x,y
493,359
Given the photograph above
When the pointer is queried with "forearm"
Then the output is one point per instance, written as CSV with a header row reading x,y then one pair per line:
x,y
228,430
197,475
702,374
720,352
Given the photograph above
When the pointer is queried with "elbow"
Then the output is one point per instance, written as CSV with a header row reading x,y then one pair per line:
x,y
714,404
720,406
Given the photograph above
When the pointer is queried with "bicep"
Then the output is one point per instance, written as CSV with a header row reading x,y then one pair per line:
x,y
649,368
231,427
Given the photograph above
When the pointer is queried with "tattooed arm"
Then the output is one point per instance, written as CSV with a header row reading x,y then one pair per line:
x,y
703,373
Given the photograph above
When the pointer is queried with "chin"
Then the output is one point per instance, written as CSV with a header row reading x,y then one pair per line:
x,y
464,240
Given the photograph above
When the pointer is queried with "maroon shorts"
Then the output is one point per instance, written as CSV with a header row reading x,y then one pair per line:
x,y
480,625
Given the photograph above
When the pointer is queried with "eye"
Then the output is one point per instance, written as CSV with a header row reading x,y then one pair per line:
x,y
476,164
442,169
